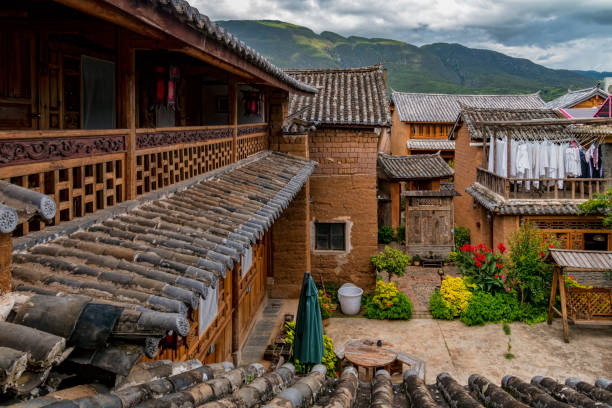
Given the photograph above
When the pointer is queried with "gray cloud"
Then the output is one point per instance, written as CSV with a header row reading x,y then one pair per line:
x,y
555,33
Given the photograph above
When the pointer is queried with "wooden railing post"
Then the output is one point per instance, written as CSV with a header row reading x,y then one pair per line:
x,y
233,115
6,254
127,108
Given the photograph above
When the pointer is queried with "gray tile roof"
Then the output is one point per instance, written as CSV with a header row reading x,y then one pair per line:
x,y
351,96
413,167
425,107
430,144
498,205
597,260
572,98
470,115
579,113
144,262
185,13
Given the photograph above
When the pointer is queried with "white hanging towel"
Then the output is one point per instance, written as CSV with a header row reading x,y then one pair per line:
x,y
560,164
491,155
513,158
535,159
523,166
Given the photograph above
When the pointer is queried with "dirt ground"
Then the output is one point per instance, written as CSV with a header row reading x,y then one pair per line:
x,y
461,350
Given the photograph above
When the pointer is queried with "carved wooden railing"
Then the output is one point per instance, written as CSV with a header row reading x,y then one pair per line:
x,y
542,188
88,170
83,170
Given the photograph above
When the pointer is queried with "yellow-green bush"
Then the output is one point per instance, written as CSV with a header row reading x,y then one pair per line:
x,y
388,303
456,294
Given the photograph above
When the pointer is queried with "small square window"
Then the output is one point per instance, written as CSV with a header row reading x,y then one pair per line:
x,y
330,236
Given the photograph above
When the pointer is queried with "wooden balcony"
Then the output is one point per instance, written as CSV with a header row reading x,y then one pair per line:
x,y
512,188
88,170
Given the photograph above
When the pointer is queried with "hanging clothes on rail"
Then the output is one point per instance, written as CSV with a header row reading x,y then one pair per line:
x,y
491,163
572,161
523,165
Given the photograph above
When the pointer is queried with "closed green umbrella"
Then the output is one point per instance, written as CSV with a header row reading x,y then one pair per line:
x,y
308,343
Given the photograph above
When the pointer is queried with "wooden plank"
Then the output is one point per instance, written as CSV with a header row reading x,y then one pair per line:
x,y
127,108
563,304
553,295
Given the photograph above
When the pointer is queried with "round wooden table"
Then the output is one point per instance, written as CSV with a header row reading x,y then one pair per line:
x,y
367,354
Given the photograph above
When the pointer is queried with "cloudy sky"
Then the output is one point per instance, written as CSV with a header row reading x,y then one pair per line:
x,y
573,34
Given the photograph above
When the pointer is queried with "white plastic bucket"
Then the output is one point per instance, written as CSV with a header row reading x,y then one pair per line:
x,y
350,299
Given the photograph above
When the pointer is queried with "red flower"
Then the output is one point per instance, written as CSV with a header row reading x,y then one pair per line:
x,y
551,245
501,248
541,254
571,277
478,264
498,265
495,276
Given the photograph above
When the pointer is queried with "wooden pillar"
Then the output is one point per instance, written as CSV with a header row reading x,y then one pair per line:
x,y
235,295
232,97
395,204
561,281
553,295
127,108
6,253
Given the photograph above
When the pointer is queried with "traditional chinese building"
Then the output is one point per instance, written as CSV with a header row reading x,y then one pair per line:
x,y
422,122
151,130
428,201
346,123
495,205
581,98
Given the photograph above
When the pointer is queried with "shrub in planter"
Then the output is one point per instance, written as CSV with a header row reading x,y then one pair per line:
x,y
330,361
385,234
392,261
388,303
456,294
439,308
486,307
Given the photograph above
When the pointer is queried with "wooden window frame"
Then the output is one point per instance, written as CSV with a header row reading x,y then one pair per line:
x,y
330,235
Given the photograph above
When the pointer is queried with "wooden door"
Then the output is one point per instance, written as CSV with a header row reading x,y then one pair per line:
x,y
429,227
18,99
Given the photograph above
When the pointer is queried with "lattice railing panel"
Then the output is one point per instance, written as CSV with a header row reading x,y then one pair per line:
x,y
586,304
79,187
249,145
161,167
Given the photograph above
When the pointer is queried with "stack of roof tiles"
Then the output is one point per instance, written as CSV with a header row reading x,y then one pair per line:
x,y
425,107
100,290
414,167
189,384
572,98
347,97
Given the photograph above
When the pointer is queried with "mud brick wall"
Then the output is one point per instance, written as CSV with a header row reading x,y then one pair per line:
x,y
343,189
467,159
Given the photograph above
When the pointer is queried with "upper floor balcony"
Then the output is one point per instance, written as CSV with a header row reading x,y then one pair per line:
x,y
514,188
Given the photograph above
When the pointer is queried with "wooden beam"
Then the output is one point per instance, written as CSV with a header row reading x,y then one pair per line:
x,y
127,108
232,97
553,296
561,281
145,19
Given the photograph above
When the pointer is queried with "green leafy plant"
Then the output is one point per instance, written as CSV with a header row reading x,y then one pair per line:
x,y
331,289
416,258
462,236
439,308
388,303
486,307
392,261
400,234
528,271
570,282
600,204
385,234
506,328
329,360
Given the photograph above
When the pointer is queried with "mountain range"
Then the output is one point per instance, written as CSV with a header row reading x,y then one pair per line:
x,y
441,67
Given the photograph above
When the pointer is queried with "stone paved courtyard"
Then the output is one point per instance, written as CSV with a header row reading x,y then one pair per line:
x,y
462,350
418,283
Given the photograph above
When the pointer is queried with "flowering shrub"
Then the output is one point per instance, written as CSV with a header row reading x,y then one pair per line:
x,y
330,361
455,294
529,274
389,303
484,267
326,305
570,282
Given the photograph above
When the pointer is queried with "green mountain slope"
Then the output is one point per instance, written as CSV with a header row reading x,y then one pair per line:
x,y
444,68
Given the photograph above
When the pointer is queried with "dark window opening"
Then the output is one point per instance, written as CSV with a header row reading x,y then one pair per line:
x,y
330,236
596,242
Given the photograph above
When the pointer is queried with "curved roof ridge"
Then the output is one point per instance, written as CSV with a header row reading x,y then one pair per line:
x,y
368,68
537,93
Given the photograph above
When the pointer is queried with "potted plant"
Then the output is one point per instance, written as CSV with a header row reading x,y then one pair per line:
x,y
392,261
326,305
416,260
